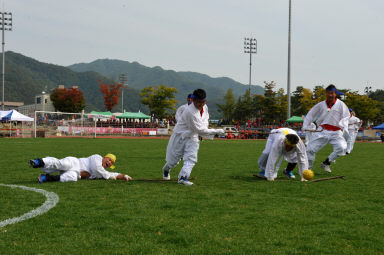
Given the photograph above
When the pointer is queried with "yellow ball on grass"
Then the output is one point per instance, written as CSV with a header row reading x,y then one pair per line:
x,y
308,174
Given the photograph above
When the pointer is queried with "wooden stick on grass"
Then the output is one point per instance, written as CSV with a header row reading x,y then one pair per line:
x,y
328,178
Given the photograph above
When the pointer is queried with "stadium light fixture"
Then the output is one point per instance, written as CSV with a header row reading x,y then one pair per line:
x,y
368,90
250,47
5,25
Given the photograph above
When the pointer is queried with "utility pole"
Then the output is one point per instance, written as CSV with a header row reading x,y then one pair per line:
x,y
250,46
123,79
5,24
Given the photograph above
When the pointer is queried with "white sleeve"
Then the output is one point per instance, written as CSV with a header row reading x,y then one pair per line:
x,y
311,117
358,124
345,115
103,173
302,158
179,112
354,120
199,127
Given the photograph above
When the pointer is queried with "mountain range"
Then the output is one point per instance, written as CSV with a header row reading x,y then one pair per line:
x,y
27,77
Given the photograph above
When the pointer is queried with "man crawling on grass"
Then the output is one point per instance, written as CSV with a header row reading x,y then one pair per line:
x,y
71,169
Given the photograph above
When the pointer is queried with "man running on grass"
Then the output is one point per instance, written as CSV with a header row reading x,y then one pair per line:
x,y
354,124
71,169
331,118
184,142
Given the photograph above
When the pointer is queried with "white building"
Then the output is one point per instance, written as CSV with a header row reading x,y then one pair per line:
x,y
42,103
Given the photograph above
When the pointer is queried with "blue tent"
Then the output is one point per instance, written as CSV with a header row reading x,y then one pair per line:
x,y
381,126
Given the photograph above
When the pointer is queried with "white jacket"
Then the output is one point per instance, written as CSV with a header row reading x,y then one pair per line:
x,y
337,116
297,155
192,124
93,165
354,123
180,111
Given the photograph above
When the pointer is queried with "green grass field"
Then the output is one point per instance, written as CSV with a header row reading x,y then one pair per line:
x,y
227,211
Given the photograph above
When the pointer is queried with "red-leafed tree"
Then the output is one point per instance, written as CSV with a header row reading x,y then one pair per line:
x,y
111,94
68,100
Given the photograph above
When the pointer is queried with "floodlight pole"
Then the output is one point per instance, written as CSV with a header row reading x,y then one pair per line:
x,y
289,64
123,80
6,24
250,46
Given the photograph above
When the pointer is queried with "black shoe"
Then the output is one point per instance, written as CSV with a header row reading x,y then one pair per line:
x,y
36,163
289,174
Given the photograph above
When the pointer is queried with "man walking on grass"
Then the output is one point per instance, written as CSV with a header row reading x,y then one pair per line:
x,y
184,142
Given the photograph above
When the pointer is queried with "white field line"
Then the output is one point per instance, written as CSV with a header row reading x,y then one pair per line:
x,y
52,200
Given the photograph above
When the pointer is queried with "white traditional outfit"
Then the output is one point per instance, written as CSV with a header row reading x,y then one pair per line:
x,y
308,134
184,142
274,152
70,168
332,122
180,111
354,125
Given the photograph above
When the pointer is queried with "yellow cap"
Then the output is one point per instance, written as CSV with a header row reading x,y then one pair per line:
x,y
113,157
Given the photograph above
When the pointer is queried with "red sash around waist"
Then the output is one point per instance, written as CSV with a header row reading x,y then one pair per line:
x,y
330,127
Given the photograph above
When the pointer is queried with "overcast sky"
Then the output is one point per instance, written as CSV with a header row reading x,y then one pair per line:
x,y
333,41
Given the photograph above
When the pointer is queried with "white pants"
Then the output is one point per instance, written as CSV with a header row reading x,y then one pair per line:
x,y
320,139
308,136
69,168
179,148
351,139
262,162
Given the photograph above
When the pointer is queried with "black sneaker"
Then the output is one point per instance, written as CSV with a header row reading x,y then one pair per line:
x,y
166,175
289,174
36,163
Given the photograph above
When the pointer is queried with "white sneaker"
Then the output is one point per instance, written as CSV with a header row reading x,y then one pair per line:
x,y
326,168
270,179
166,175
185,182
303,180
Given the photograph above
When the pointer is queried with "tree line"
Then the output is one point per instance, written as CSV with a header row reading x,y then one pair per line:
x,y
272,106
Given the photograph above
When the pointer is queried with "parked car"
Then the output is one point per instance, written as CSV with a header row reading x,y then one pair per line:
x,y
231,130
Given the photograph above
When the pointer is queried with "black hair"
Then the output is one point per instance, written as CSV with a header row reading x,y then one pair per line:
x,y
330,87
189,96
199,94
292,138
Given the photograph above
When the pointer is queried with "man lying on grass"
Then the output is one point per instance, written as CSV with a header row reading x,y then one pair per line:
x,y
71,169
